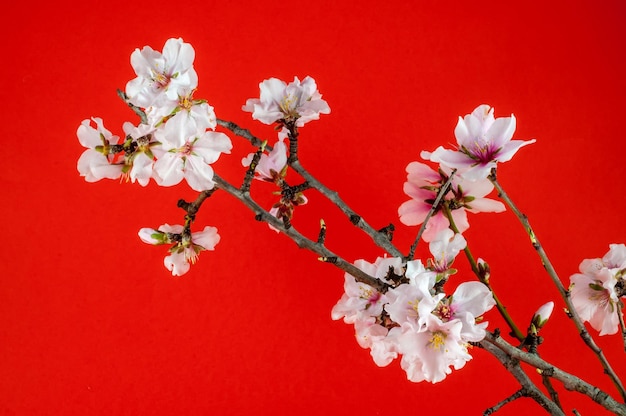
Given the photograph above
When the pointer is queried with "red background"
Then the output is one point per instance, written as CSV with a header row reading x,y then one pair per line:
x,y
92,323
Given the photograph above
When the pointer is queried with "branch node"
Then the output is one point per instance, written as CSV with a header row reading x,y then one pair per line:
x,y
322,235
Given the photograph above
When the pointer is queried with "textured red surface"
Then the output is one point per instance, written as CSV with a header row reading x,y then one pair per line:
x,y
92,323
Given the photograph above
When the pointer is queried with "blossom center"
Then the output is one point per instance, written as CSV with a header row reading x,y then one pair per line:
x,y
186,149
481,151
288,106
438,340
444,312
160,79
370,295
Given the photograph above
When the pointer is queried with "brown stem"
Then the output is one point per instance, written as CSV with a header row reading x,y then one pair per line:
x,y
570,382
380,239
515,331
565,294
302,241
512,364
443,190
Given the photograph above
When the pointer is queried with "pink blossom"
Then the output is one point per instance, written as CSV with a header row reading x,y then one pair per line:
x,y
197,115
411,304
593,290
296,101
186,248
359,301
445,247
428,355
422,186
378,339
469,301
270,165
483,140
182,156
161,76
98,161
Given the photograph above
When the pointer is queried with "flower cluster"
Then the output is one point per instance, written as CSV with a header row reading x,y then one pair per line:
x,y
597,289
176,138
414,318
423,184
298,102
483,141
186,246
407,311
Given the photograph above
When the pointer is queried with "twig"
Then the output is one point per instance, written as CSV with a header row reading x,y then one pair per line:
x,y
380,239
515,331
570,382
241,132
247,180
302,242
528,387
192,208
142,115
443,190
565,294
547,382
622,327
518,394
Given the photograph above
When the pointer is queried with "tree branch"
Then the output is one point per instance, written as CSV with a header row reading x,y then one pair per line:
x,y
380,239
528,387
565,294
570,382
302,241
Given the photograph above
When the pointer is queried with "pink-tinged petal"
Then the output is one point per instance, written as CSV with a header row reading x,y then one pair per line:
x,y
94,166
250,104
180,54
591,267
272,90
87,135
509,149
143,60
150,236
198,174
452,158
207,238
478,172
173,229
484,113
616,257
436,224
168,170
485,205
462,132
477,189
475,132
501,132
211,145
607,323
413,212
472,297
142,169
416,191
420,172
177,264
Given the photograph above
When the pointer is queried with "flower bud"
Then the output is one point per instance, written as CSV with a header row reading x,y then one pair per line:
x,y
483,270
542,315
152,236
